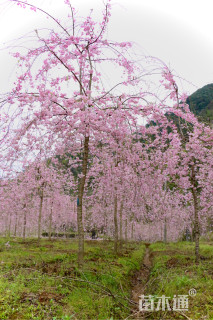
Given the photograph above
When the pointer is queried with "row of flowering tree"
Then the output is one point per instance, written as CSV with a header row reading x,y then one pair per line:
x,y
61,100
35,200
78,100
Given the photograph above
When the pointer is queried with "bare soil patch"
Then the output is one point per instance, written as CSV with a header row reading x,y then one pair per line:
x,y
139,282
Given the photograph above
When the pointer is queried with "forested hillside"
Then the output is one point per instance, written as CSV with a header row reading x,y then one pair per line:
x,y
201,103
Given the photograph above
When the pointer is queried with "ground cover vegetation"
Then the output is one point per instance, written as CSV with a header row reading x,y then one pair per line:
x,y
175,273
45,282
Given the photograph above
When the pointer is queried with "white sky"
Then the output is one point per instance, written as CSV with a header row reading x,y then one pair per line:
x,y
177,32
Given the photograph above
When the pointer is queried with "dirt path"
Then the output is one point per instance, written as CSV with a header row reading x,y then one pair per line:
x,y
139,284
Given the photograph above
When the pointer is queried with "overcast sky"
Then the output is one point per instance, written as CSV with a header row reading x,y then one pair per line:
x,y
177,32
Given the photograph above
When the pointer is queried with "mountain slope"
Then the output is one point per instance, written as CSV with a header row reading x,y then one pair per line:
x,y
201,103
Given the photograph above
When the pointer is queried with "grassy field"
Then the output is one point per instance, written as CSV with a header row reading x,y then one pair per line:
x,y
174,272
44,282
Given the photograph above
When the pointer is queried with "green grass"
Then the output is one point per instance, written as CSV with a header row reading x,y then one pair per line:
x,y
44,282
174,272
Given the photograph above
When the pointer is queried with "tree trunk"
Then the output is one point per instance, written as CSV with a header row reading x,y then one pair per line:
x,y
9,227
132,231
196,220
15,229
196,226
126,236
81,187
165,231
80,231
115,223
24,224
50,222
6,225
121,225
105,225
74,211
40,213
